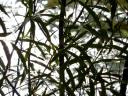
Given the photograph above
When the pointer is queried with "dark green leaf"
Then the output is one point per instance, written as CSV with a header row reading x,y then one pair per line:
x,y
32,29
6,50
2,64
20,56
41,50
3,26
91,12
23,77
92,88
3,10
71,78
2,92
43,28
101,7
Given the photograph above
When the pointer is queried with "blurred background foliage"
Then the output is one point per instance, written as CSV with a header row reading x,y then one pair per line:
x,y
94,47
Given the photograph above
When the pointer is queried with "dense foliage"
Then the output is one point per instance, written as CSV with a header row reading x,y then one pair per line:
x,y
73,48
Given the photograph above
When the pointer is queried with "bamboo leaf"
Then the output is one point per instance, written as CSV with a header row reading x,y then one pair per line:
x,y
3,10
20,56
71,78
6,50
36,43
23,76
44,93
3,26
43,28
69,90
51,20
92,87
42,64
41,50
92,30
2,64
101,7
2,92
91,12
32,29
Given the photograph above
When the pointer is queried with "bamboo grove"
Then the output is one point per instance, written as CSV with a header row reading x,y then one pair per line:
x,y
64,48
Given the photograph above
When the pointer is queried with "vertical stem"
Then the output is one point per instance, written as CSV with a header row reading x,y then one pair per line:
x,y
124,81
61,47
29,71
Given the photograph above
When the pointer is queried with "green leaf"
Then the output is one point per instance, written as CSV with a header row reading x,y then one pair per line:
x,y
101,7
51,20
89,43
41,63
92,30
115,92
32,29
20,56
2,92
3,26
92,87
55,58
23,76
3,10
43,28
69,90
41,50
44,93
91,12
71,78
6,50
36,43
2,64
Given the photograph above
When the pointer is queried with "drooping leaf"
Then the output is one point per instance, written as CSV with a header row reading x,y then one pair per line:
x,y
20,56
41,63
2,64
2,92
71,78
92,30
91,12
6,50
101,7
3,10
32,29
3,26
41,50
23,76
92,87
43,28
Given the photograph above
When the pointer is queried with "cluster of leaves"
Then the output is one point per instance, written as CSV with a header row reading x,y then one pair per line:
x,y
92,47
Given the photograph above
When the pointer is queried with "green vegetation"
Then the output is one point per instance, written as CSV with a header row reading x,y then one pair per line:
x,y
73,48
